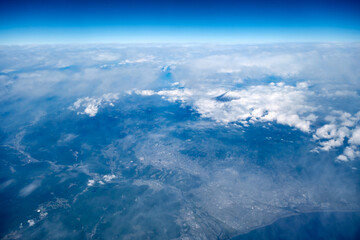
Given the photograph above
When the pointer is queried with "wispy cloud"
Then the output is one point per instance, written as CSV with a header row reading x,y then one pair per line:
x,y
27,190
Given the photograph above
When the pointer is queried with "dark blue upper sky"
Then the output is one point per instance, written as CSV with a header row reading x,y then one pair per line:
x,y
165,21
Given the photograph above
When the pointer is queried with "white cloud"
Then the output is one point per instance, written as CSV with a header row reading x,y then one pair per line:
x,y
31,222
27,190
91,182
345,93
105,56
7,70
109,177
327,131
280,63
140,60
342,126
281,103
351,152
90,106
66,138
335,134
6,184
355,138
342,158
142,92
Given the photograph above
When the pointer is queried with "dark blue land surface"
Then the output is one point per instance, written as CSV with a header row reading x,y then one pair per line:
x,y
316,226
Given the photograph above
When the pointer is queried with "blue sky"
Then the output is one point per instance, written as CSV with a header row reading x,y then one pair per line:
x,y
178,21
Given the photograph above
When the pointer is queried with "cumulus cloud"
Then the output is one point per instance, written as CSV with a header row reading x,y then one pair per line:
x,y
101,180
91,182
355,137
90,106
333,133
280,103
31,222
109,177
341,126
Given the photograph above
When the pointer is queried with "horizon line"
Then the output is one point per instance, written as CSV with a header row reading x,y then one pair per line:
x,y
184,43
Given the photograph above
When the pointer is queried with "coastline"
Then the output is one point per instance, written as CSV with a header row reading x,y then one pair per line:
x,y
291,217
